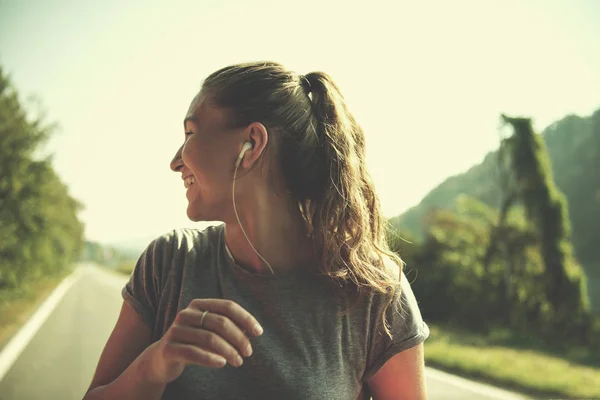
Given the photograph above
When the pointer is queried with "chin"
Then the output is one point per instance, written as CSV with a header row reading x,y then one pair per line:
x,y
195,216
202,213
196,210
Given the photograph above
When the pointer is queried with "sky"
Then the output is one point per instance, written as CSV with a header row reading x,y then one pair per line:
x,y
426,80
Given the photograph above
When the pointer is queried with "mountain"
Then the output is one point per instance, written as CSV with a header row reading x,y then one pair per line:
x,y
573,145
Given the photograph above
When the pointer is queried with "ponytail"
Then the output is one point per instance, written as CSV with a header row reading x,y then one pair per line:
x,y
348,215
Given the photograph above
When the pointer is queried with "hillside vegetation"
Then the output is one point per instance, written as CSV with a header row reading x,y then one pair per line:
x,y
573,147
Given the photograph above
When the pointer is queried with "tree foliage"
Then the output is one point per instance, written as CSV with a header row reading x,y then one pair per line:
x,y
573,146
40,233
455,286
545,206
573,162
500,253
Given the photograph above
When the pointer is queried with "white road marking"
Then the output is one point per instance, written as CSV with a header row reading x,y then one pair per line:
x,y
19,342
475,387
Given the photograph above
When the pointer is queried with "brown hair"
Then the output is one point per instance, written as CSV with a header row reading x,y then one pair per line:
x,y
321,152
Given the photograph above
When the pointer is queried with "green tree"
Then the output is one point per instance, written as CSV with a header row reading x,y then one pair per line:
x,y
39,229
546,207
456,286
573,146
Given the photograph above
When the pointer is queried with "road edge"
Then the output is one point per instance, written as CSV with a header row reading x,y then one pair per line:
x,y
16,345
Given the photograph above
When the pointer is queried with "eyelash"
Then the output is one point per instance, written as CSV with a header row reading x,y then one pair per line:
x,y
188,133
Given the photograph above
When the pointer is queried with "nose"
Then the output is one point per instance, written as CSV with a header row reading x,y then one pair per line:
x,y
177,162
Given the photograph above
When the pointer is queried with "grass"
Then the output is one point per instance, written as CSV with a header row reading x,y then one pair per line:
x,y
512,362
18,304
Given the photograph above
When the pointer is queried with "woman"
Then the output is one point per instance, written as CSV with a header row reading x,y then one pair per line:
x,y
296,295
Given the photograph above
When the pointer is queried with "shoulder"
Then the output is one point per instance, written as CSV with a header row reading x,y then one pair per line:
x,y
179,247
398,272
392,268
400,295
396,321
185,240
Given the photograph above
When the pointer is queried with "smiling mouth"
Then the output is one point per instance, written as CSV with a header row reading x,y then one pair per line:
x,y
189,181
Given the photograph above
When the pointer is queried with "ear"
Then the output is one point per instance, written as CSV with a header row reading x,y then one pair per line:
x,y
257,134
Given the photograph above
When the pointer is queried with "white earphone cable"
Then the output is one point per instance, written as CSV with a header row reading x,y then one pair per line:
x,y
240,222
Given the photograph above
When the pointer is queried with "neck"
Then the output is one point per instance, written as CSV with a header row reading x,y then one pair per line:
x,y
275,228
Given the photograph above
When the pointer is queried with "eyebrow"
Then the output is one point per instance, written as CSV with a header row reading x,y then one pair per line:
x,y
192,118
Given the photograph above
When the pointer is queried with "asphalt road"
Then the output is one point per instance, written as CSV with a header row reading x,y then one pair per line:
x,y
60,358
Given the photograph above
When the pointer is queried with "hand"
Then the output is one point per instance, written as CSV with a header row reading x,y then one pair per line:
x,y
221,337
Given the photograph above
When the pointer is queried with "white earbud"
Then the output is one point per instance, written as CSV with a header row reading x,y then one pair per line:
x,y
245,147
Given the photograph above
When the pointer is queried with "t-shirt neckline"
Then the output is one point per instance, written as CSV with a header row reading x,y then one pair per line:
x,y
266,276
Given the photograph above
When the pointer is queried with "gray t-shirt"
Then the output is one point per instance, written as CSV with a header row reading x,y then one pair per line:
x,y
309,348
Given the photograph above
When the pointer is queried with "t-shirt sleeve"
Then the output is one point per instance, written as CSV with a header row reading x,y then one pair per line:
x,y
406,325
142,291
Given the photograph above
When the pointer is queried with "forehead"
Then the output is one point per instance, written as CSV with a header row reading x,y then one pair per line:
x,y
202,113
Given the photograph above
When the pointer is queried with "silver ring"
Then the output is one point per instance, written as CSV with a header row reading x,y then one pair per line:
x,y
202,319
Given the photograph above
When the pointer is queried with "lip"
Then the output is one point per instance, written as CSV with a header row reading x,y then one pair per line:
x,y
184,178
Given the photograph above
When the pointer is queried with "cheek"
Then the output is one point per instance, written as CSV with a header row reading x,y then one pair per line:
x,y
206,164
191,154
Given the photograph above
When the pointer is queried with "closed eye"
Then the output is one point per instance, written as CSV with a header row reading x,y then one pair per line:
x,y
188,133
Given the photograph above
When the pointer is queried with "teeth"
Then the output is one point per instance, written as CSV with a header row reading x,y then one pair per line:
x,y
188,181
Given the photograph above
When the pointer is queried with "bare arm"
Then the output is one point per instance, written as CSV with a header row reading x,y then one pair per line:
x,y
402,377
132,368
120,373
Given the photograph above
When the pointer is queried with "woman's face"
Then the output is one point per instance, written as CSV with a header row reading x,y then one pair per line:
x,y
206,161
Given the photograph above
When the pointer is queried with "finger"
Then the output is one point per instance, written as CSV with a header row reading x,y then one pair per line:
x,y
232,310
190,354
229,331
205,340
218,324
